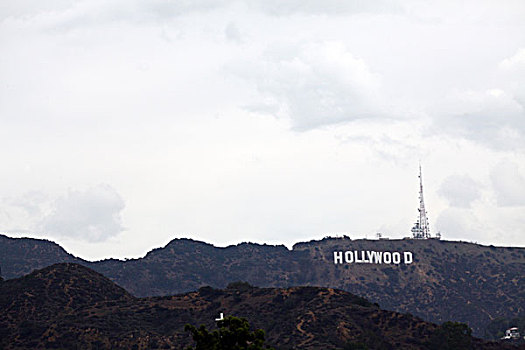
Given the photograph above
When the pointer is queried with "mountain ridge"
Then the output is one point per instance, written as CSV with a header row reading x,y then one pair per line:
x,y
447,280
99,314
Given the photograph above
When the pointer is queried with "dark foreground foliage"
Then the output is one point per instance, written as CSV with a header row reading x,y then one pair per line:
x,y
233,334
451,336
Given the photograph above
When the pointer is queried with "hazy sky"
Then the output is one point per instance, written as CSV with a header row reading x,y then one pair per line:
x,y
125,124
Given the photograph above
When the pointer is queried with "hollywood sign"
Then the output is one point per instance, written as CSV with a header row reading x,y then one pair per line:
x,y
372,257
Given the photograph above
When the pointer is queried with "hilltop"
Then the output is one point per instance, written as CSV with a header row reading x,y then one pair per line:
x,y
447,280
68,305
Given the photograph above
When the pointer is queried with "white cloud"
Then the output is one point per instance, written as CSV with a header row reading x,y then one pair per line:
x,y
22,213
460,190
514,63
31,202
233,33
513,71
317,84
114,10
27,8
509,184
492,117
168,101
485,224
330,7
71,14
458,223
90,215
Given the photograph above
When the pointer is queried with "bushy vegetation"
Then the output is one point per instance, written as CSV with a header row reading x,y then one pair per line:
x,y
233,334
451,336
355,346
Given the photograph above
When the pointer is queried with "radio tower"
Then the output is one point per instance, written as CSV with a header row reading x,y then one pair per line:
x,y
421,228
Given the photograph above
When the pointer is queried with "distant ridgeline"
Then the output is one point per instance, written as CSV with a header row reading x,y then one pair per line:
x,y
436,280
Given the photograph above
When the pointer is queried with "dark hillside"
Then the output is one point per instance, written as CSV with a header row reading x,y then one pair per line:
x,y
57,289
447,280
20,256
70,306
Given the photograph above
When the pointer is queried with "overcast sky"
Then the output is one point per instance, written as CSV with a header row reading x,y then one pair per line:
x,y
126,123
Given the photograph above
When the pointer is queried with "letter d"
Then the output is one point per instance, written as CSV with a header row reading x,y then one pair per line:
x,y
408,257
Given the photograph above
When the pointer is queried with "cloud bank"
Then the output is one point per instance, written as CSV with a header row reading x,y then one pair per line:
x,y
260,120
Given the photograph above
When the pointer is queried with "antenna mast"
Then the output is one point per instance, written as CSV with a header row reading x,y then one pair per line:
x,y
421,228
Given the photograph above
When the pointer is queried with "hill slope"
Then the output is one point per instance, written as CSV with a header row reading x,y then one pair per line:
x,y
78,307
20,256
447,280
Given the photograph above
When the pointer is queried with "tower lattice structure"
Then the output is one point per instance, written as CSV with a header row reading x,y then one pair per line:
x,y
421,229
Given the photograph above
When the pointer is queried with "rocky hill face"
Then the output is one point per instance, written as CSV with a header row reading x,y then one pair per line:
x,y
71,306
445,280
55,290
20,256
